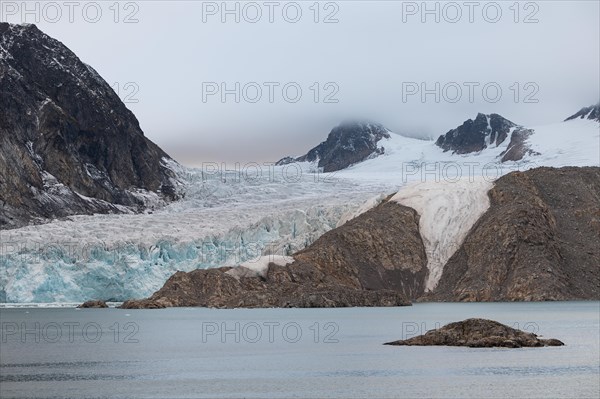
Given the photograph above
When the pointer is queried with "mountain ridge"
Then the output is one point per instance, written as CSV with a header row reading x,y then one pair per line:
x,y
591,112
347,144
69,144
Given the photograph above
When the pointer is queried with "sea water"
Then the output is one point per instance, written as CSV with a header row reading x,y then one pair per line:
x,y
293,353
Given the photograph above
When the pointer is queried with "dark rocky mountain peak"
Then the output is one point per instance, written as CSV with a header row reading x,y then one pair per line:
x,y
592,113
476,134
68,144
349,143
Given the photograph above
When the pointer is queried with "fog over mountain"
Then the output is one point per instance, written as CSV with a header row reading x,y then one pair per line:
x,y
370,58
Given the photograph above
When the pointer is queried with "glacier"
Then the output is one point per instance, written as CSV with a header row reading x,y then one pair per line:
x,y
237,215
222,221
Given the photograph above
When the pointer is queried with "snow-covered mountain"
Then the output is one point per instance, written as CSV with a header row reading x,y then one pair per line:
x,y
68,145
591,113
59,158
489,144
476,134
227,219
346,144
574,142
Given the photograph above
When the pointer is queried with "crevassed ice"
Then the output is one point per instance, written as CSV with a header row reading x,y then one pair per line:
x,y
224,219
228,218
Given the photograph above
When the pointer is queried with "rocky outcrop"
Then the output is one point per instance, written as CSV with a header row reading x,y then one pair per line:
x,y
215,288
591,113
478,333
68,144
518,146
380,249
538,241
366,262
476,135
94,304
346,144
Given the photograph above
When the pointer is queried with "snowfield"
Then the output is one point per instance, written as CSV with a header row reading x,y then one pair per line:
x,y
572,143
448,210
237,217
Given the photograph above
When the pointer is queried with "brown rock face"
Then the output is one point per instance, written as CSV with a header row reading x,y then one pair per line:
x,y
538,241
376,259
380,249
216,289
478,333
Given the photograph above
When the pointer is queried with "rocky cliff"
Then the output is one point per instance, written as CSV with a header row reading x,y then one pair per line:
x,y
68,145
380,249
476,134
346,144
538,241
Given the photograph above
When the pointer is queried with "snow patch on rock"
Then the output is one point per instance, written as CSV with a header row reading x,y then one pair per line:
x,y
447,210
258,267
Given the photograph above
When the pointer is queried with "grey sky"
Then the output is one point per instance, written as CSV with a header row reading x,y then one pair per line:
x,y
370,55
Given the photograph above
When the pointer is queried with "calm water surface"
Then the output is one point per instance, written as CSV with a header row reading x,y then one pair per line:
x,y
293,353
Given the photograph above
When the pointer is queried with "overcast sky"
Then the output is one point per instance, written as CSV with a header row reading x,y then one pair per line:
x,y
374,61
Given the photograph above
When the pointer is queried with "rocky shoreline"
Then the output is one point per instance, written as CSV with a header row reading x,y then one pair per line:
x,y
214,288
